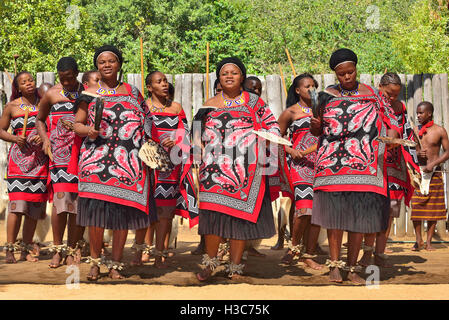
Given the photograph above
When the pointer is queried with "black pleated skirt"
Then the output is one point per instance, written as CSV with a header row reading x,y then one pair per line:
x,y
229,227
364,212
109,215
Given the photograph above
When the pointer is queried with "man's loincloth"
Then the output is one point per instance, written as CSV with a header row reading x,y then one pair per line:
x,y
432,206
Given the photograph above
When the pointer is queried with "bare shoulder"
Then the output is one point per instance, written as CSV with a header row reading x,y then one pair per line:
x,y
333,89
176,107
441,130
214,101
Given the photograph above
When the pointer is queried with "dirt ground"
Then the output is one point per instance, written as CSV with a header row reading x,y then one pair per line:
x,y
415,276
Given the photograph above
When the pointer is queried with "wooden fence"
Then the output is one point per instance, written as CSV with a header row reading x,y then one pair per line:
x,y
190,91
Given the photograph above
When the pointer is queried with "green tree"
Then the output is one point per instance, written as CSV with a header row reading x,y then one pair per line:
x,y
422,42
42,31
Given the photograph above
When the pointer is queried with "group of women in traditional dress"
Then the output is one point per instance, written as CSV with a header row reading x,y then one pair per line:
x,y
335,170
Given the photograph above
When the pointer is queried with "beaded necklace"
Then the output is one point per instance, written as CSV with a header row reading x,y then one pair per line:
x,y
31,107
153,108
304,109
71,95
346,93
228,102
102,91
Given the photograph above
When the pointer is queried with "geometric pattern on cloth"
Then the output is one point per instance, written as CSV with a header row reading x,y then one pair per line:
x,y
349,157
432,206
231,173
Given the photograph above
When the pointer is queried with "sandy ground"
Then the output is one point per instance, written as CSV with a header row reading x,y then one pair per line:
x,y
415,276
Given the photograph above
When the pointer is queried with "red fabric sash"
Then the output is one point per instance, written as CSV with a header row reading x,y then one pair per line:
x,y
423,129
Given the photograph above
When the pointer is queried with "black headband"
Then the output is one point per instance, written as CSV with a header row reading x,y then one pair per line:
x,y
109,48
340,56
231,60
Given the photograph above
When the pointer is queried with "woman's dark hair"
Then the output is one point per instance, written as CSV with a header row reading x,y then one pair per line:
x,y
148,79
390,78
292,96
15,86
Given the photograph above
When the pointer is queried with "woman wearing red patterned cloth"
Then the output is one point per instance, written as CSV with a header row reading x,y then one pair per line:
x,y
114,185
399,184
235,200
300,167
171,123
350,185
27,171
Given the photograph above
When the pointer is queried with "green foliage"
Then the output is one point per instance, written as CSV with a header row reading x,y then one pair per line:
x,y
402,36
41,32
422,42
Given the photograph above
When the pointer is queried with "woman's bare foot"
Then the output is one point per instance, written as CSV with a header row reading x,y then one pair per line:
x,y
94,273
55,261
114,274
312,264
429,247
69,260
356,279
145,257
335,276
26,256
10,257
387,250
365,261
417,247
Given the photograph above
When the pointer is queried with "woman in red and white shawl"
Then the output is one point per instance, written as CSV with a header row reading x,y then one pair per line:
x,y
170,121
235,201
350,186
299,168
399,184
114,185
27,171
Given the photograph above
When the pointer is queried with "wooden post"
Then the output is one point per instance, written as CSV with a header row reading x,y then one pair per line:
x,y
441,225
329,80
418,93
178,88
7,85
319,79
40,79
402,94
169,78
427,87
274,94
207,72
79,77
432,93
376,80
290,61
49,77
410,92
186,101
197,95
365,79
142,74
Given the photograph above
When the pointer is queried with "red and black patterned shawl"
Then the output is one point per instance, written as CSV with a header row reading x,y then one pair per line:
x,y
398,158
27,172
62,145
173,188
300,174
233,171
349,158
109,168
